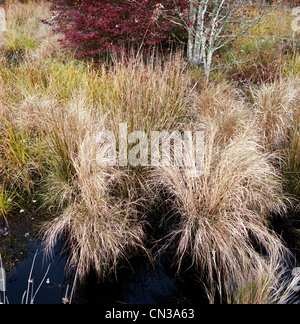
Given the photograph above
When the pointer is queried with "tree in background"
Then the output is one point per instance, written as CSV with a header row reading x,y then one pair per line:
x,y
92,26
213,24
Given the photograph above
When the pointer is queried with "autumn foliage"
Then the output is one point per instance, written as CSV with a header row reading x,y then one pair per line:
x,y
93,26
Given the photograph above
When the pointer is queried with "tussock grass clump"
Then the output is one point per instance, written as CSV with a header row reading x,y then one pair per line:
x,y
223,224
101,224
152,95
268,283
52,109
94,209
276,105
223,227
221,104
98,210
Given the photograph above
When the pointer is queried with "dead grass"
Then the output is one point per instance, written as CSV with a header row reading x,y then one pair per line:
x,y
275,106
27,33
224,214
56,110
51,113
223,229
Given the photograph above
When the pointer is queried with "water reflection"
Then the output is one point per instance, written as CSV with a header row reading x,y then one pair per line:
x,y
54,284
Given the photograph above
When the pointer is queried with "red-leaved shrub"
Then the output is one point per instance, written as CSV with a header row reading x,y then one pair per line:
x,y
93,26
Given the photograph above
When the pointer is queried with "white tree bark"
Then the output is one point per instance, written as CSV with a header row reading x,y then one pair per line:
x,y
209,26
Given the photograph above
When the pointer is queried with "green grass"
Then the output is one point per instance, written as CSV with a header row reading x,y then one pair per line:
x,y
20,42
7,203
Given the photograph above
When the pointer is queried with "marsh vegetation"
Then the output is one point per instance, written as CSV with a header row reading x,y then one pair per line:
x,y
236,227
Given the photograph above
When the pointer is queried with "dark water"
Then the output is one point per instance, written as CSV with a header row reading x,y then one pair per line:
x,y
149,285
139,283
54,285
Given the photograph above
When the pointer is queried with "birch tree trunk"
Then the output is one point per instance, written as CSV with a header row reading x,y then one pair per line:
x,y
209,26
191,32
199,42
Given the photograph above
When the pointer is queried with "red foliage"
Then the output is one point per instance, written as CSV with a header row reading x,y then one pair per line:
x,y
93,26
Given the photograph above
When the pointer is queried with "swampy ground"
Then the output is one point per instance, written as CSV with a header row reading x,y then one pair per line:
x,y
139,234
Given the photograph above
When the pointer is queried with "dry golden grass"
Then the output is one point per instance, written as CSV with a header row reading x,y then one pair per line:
x,y
275,107
224,213
223,230
100,219
62,108
26,32
268,283
51,113
99,211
